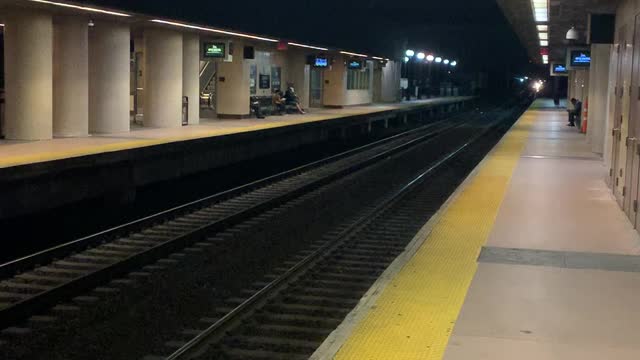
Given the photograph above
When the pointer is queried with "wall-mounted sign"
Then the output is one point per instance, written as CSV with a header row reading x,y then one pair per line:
x,y
265,81
559,69
320,62
214,50
354,64
580,58
276,76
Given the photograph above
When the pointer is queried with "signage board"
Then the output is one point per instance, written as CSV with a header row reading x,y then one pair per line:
x,y
558,69
214,50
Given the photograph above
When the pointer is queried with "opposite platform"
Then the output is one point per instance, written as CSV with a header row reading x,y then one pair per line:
x,y
558,278
15,153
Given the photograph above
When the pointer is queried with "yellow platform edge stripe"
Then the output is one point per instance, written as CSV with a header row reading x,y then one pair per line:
x,y
126,143
414,316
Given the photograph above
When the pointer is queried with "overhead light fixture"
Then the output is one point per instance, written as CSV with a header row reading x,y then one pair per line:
x,y
421,56
446,61
84,8
406,59
454,63
543,36
409,53
377,58
353,54
1,25
573,34
543,27
217,31
438,59
307,46
544,42
540,10
545,59
430,58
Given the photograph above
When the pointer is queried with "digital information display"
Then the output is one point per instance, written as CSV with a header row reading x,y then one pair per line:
x,y
214,50
580,58
559,69
321,62
354,64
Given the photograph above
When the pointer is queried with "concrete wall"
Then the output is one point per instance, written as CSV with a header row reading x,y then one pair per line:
x,y
598,96
298,73
335,87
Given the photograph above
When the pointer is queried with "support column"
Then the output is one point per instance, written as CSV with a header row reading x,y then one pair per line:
x,y
28,52
191,75
163,78
109,78
70,77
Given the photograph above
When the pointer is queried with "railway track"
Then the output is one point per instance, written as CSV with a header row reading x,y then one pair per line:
x,y
306,289
289,313
35,283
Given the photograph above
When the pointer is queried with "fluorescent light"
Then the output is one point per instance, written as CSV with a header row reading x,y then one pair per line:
x,y
421,56
218,31
85,8
544,42
545,59
353,54
454,63
430,58
540,10
1,25
446,61
543,36
409,53
438,59
308,46
543,27
377,58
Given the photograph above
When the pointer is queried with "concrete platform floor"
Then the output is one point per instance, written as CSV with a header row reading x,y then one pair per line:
x,y
560,276
13,153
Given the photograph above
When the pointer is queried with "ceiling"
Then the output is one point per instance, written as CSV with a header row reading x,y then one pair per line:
x,y
563,14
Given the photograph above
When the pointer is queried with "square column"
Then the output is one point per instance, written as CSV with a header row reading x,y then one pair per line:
x,y
28,52
109,78
191,75
163,78
70,77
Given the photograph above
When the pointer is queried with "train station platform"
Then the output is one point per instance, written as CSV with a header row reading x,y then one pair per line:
x,y
44,175
530,259
16,153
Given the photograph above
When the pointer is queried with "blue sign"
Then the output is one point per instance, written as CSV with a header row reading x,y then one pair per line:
x,y
581,58
321,62
354,64
559,69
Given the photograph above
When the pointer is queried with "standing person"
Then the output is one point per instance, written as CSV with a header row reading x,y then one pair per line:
x,y
291,98
575,113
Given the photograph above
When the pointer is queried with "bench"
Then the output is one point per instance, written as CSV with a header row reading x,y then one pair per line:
x,y
266,107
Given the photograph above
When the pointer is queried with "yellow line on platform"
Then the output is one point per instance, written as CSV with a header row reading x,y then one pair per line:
x,y
415,314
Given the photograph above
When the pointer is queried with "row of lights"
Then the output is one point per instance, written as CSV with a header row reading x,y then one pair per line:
x,y
430,58
541,16
194,27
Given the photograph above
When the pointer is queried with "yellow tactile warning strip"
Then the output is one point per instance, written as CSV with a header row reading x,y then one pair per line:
x,y
54,152
414,316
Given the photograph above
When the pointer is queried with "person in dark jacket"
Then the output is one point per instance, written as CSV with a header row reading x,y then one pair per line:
x,y
575,113
291,98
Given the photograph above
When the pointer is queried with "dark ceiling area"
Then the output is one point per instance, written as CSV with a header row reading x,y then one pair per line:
x,y
474,32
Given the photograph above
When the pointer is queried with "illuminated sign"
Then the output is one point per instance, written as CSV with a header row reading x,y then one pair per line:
x,y
581,58
321,62
559,69
354,64
214,50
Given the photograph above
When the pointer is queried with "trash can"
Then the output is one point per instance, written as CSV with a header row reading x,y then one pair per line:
x,y
185,110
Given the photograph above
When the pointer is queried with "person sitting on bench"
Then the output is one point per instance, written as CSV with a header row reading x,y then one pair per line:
x,y
575,113
291,98
255,106
279,102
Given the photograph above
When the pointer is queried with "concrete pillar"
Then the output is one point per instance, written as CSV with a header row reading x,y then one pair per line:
x,y
28,53
163,78
109,78
232,88
70,77
598,96
191,75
